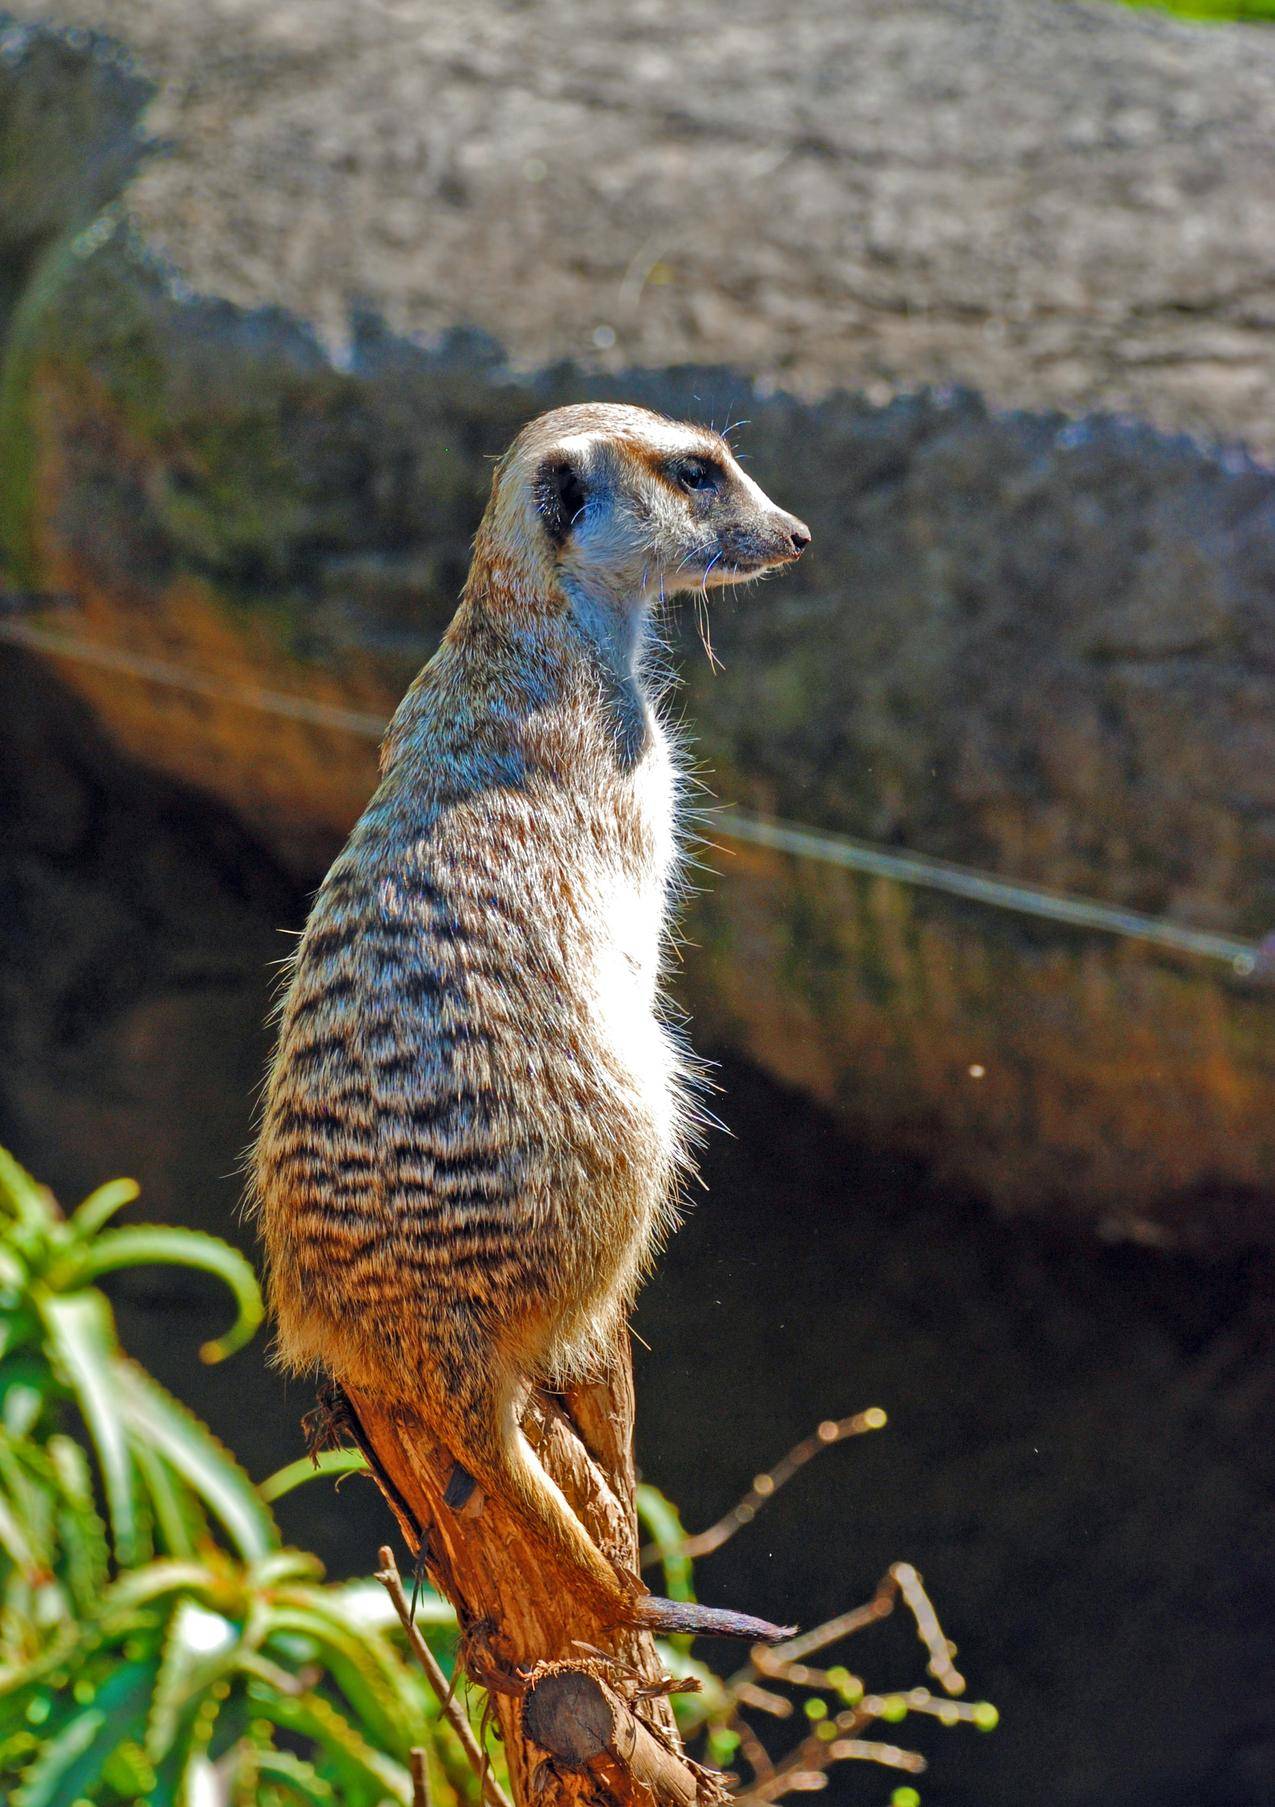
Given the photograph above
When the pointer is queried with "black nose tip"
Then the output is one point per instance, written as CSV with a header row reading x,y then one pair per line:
x,y
799,534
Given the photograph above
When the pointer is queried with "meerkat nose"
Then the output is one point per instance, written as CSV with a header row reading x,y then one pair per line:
x,y
798,535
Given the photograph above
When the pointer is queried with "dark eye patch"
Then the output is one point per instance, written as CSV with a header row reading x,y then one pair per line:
x,y
696,473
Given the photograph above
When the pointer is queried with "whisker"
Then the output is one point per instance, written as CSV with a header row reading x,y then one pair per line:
x,y
702,615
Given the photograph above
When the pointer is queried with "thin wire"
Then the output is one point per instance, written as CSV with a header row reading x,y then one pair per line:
x,y
982,887
1244,958
182,677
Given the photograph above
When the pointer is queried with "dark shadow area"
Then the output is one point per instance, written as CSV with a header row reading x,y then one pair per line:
x,y
1078,1454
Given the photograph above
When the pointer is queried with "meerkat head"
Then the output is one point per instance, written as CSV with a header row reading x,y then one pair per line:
x,y
617,505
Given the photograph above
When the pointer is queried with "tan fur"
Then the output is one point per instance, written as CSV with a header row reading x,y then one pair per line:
x,y
477,1114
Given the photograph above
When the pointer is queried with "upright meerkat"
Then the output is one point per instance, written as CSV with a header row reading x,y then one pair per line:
x,y
477,1116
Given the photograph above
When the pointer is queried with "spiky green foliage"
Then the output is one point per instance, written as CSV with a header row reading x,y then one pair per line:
x,y
151,1623
159,1645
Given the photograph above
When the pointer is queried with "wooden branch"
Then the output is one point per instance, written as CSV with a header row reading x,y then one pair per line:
x,y
766,1486
514,1615
419,1758
453,1712
583,1725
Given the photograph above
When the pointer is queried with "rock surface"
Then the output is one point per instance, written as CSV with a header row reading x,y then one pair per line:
x,y
1060,205
1039,646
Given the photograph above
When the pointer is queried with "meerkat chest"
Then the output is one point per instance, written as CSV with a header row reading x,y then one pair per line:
x,y
632,902
635,891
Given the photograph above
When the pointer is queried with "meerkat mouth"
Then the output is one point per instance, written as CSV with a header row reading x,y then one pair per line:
x,y
719,574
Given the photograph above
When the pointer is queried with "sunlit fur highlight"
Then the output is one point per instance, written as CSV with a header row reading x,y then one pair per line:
x,y
479,1114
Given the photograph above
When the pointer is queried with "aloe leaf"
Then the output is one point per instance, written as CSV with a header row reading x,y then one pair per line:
x,y
185,1754
371,1682
69,1764
158,1245
100,1206
13,1539
281,1567
311,1468
295,1774
83,1535
26,1505
191,1449
661,1519
26,1386
82,1335
199,1650
143,1586
350,1756
178,1517
29,1204
367,1607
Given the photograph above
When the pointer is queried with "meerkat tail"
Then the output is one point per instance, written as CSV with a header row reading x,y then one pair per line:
x,y
509,1469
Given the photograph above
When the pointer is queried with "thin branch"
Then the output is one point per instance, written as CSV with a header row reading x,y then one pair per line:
x,y
838,1739
453,1712
930,1632
775,1660
753,1750
803,1769
801,1675
748,1694
420,1777
766,1486
920,1700
891,1755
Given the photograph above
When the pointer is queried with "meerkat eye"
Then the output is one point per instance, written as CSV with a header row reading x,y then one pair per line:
x,y
697,473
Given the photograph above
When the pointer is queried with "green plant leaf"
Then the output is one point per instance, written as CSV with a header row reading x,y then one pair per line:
x,y
69,1765
82,1338
156,1245
14,1541
311,1468
144,1586
661,1519
80,1530
297,1776
100,1206
192,1737
373,1685
179,1519
191,1449
27,1202
27,1388
200,1647
350,1756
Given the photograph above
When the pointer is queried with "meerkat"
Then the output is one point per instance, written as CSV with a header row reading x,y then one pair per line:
x,y
479,1113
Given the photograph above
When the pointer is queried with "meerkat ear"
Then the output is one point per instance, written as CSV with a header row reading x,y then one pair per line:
x,y
560,496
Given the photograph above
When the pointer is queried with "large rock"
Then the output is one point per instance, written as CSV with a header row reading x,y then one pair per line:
x,y
1038,646
1060,205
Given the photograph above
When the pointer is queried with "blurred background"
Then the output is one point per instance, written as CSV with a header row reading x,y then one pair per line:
x,y
989,288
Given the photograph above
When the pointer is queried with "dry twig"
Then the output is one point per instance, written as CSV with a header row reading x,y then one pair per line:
x,y
766,1486
420,1778
453,1712
837,1738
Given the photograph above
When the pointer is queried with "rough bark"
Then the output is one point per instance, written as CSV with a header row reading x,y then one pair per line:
x,y
519,1625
